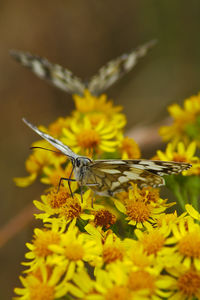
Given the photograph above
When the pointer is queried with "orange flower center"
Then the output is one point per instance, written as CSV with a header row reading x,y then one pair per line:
x,y
57,199
74,252
189,245
130,147
72,208
43,240
138,211
112,253
118,293
153,242
96,118
150,194
179,158
104,218
141,280
140,259
189,283
41,291
88,138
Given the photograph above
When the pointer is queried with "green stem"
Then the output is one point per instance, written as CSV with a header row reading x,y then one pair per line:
x,y
179,198
194,201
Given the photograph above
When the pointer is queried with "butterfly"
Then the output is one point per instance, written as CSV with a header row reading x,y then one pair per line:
x,y
65,80
109,176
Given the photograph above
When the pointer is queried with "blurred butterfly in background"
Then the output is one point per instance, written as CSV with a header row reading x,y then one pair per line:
x,y
65,80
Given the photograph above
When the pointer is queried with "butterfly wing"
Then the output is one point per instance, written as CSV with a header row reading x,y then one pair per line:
x,y
55,74
65,80
115,175
115,69
56,143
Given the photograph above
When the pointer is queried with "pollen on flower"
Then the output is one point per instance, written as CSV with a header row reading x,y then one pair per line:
x,y
43,240
72,208
88,138
57,199
189,245
150,194
118,293
153,242
129,149
104,218
189,283
179,158
141,280
74,252
112,253
41,291
138,211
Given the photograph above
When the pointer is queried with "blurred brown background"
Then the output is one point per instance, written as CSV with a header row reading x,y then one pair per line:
x,y
83,35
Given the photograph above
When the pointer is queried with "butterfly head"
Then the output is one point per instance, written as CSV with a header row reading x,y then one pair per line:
x,y
80,167
82,161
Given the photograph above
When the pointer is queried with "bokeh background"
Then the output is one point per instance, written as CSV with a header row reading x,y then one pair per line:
x,y
83,35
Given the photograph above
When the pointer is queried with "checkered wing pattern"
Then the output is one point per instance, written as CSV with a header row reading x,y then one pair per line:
x,y
117,68
65,79
115,175
55,74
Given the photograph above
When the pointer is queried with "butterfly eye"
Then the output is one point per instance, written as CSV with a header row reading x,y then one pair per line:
x,y
78,162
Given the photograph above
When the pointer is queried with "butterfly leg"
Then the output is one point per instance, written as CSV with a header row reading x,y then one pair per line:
x,y
81,191
92,203
68,180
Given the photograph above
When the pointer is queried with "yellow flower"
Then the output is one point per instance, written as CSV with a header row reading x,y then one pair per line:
x,y
184,283
154,240
39,249
52,175
45,284
129,149
38,160
119,282
89,103
186,236
141,206
110,246
192,212
185,124
98,109
85,138
56,127
181,153
137,256
74,249
63,207
104,218
82,285
169,219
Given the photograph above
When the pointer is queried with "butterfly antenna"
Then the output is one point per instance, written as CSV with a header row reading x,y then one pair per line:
x,y
45,149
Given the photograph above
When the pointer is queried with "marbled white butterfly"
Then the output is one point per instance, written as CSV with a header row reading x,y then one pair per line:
x,y
65,80
110,176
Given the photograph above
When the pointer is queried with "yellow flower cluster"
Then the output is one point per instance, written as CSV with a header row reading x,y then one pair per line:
x,y
186,122
109,248
156,262
94,129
